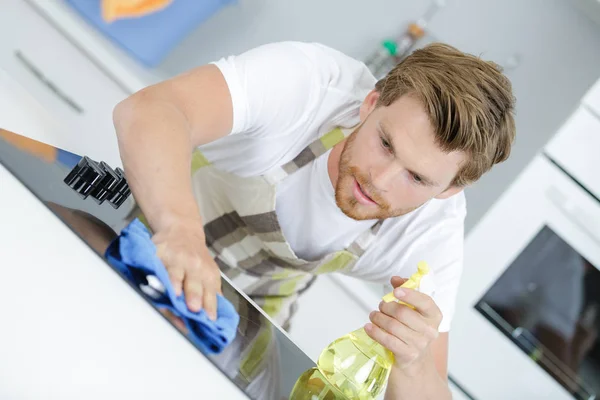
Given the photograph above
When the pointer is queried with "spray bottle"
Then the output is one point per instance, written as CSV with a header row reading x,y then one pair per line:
x,y
354,366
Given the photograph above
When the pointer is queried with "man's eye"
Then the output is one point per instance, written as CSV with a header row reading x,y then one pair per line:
x,y
386,144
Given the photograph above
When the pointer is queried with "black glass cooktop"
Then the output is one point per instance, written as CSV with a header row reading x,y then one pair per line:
x,y
261,360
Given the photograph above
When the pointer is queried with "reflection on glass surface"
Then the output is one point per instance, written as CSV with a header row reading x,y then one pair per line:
x,y
261,360
548,303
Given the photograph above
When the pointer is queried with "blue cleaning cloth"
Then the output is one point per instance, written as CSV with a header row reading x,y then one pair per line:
x,y
134,255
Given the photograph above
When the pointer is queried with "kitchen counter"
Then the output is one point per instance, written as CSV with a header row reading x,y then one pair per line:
x,y
73,329
76,328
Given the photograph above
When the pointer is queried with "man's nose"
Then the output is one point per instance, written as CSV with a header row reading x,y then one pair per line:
x,y
383,176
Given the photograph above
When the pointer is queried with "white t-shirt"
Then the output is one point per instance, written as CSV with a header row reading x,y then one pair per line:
x,y
285,95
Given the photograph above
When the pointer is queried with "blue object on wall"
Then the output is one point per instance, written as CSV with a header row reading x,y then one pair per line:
x,y
151,37
67,158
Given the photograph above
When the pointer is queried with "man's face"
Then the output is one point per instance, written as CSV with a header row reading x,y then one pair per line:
x,y
391,164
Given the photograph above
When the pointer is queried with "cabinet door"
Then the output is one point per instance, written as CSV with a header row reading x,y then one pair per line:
x,y
592,98
62,79
576,148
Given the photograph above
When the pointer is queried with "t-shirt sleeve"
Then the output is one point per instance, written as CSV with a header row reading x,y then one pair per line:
x,y
447,279
441,244
277,86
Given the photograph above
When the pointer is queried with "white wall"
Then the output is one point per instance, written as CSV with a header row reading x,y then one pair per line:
x,y
559,46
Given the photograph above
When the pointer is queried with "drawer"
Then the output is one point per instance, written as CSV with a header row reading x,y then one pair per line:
x,y
592,98
576,148
62,79
20,112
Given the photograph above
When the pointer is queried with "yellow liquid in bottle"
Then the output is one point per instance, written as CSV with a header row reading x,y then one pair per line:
x,y
353,366
357,365
312,385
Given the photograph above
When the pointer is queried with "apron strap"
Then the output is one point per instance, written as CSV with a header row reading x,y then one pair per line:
x,y
310,153
360,245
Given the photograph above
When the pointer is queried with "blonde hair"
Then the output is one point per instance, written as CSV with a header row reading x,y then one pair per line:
x,y
469,102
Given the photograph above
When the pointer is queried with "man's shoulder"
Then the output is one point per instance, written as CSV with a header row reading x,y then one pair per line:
x,y
308,48
317,57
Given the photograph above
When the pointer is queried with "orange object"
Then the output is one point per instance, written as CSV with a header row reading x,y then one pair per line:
x,y
45,152
416,31
118,9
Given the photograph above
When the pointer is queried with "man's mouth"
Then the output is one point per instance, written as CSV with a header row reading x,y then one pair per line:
x,y
361,195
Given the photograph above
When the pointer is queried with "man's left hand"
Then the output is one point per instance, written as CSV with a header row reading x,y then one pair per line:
x,y
406,332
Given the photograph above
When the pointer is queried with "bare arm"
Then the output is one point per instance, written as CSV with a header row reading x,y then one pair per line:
x,y
426,380
157,129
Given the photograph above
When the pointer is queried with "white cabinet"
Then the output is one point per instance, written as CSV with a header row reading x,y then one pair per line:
x,y
592,98
22,113
62,79
544,230
576,148
535,235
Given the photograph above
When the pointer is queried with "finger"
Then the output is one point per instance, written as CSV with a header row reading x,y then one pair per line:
x,y
386,339
423,303
415,339
397,281
194,291
404,314
176,276
175,271
426,329
217,277
393,326
210,304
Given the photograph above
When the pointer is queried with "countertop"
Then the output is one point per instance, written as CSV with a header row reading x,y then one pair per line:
x,y
74,327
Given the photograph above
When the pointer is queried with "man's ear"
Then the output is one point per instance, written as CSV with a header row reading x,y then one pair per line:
x,y
368,105
451,191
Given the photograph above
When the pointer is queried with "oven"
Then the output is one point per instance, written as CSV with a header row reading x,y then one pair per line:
x,y
527,323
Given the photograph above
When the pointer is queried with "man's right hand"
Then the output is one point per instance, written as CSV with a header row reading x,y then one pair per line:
x,y
181,247
157,129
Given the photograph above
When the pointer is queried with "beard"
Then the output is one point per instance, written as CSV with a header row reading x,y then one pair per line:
x,y
344,196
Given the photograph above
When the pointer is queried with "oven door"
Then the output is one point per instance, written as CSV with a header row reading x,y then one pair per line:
x,y
528,311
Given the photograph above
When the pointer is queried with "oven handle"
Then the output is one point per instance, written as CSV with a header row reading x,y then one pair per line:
x,y
589,223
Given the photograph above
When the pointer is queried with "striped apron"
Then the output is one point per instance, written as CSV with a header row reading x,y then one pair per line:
x,y
244,237
243,232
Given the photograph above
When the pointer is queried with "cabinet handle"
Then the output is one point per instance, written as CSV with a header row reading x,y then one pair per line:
x,y
38,74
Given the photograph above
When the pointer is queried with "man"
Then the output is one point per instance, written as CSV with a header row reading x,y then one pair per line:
x,y
307,165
